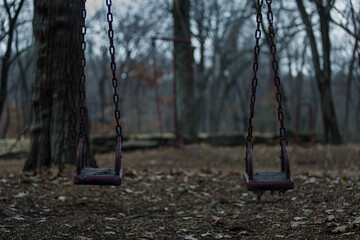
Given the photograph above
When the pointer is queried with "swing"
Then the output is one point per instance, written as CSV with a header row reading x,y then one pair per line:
x,y
262,181
98,176
311,133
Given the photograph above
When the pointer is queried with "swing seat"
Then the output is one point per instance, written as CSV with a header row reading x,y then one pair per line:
x,y
273,181
98,176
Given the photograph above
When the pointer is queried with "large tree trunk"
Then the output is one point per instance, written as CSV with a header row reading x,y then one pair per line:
x,y
55,101
323,73
186,117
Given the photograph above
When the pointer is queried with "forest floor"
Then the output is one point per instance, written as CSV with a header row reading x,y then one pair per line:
x,y
191,193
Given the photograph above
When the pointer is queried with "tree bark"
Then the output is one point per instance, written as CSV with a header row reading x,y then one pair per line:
x,y
186,106
348,94
54,100
323,72
101,83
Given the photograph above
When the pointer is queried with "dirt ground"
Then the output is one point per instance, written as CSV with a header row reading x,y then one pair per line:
x,y
192,193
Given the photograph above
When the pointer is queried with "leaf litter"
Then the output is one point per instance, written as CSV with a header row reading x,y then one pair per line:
x,y
199,196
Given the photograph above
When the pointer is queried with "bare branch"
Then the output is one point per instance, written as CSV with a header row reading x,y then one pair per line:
x,y
18,54
345,28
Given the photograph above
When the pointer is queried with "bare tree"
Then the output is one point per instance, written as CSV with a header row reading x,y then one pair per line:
x,y
12,10
55,90
185,75
322,66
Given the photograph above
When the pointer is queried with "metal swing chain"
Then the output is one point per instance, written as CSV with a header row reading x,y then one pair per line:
x,y
275,67
113,69
82,76
254,81
112,65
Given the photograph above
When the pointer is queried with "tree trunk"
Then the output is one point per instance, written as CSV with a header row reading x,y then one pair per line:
x,y
323,73
348,94
7,122
55,101
201,79
186,117
101,83
24,91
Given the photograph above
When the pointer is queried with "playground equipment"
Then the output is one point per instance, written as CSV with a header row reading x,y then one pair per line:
x,y
311,133
98,176
262,181
178,134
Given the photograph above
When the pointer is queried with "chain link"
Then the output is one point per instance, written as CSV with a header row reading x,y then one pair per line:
x,y
112,66
82,75
113,70
275,67
254,82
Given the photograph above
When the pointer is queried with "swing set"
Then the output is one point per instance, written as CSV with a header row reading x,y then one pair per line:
x,y
259,182
98,176
262,181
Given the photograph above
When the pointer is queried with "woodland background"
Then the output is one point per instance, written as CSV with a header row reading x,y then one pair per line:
x,y
223,39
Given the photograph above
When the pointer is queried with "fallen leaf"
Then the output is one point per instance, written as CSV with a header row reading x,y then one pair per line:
x,y
356,221
215,218
21,195
348,234
330,218
220,236
128,190
330,226
206,234
317,221
190,237
61,198
84,238
297,224
19,218
279,236
340,229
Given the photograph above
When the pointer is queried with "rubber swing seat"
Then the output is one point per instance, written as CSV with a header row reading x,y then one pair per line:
x,y
272,181
98,176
